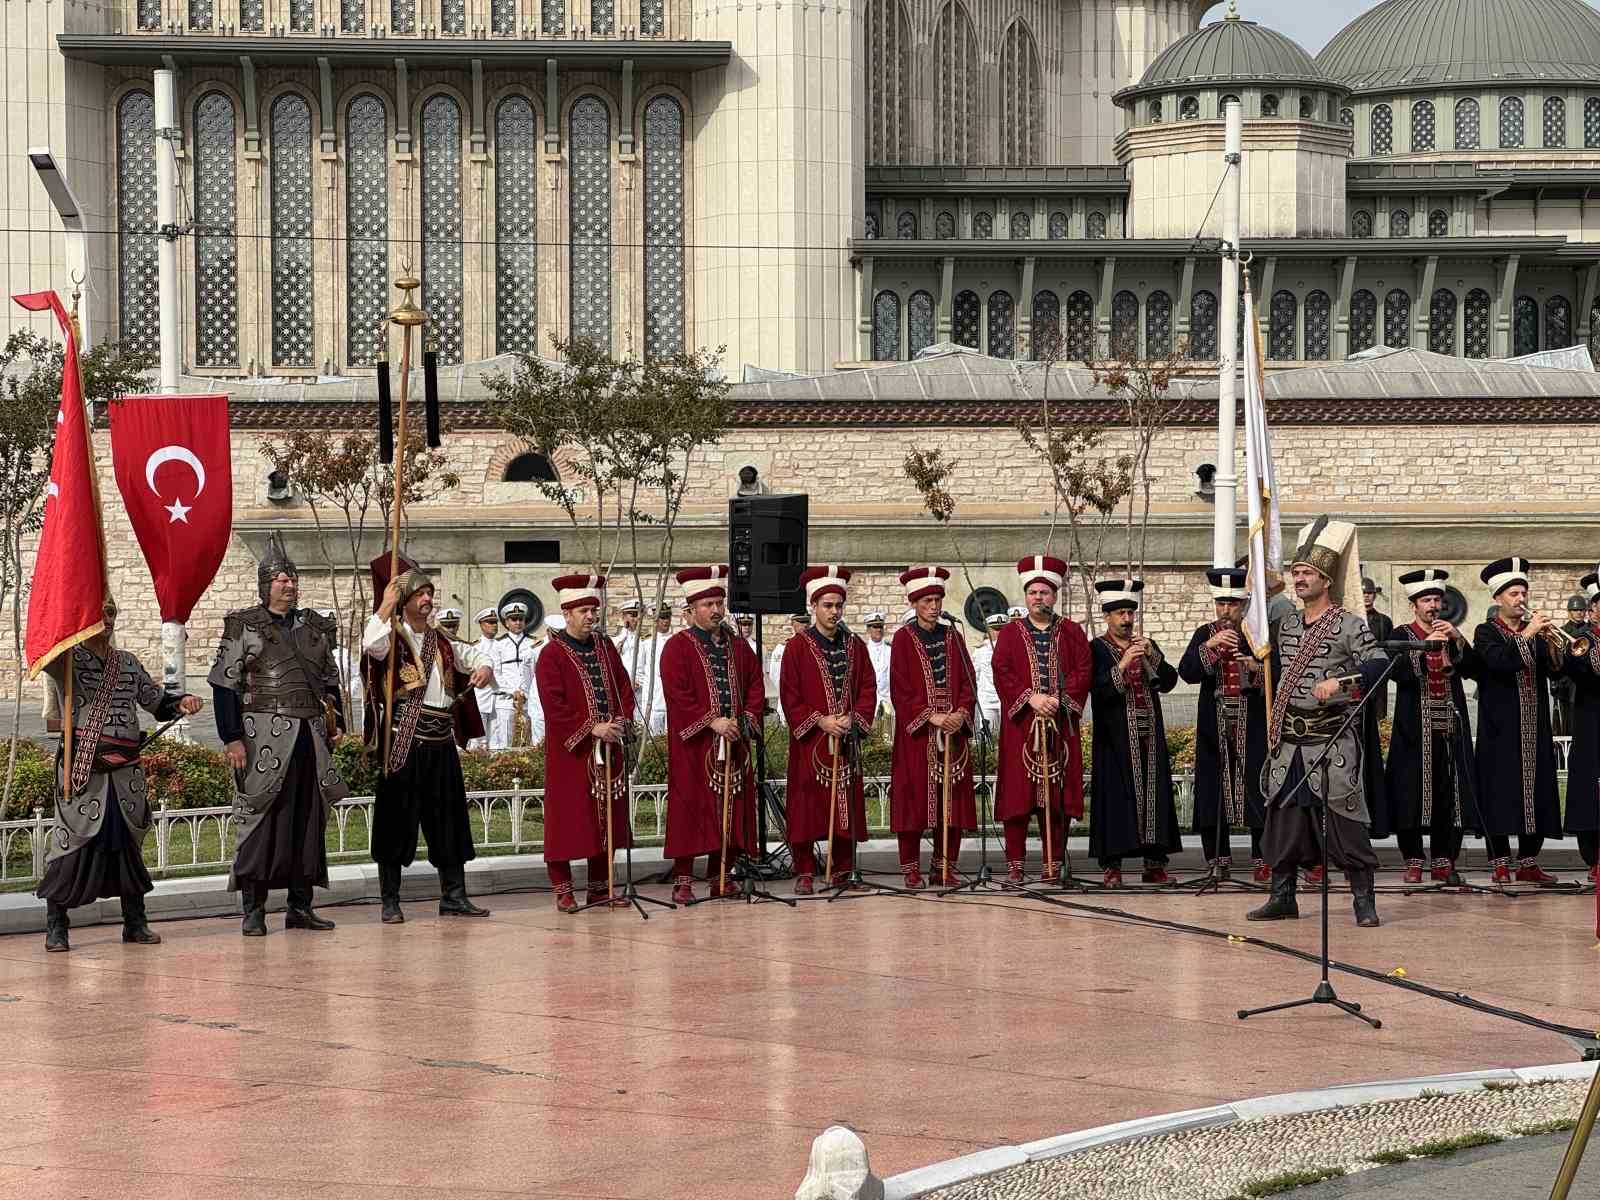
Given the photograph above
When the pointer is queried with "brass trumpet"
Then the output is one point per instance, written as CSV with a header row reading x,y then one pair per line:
x,y
1562,644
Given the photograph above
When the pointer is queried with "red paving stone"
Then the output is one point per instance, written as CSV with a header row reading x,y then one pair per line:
x,y
697,1054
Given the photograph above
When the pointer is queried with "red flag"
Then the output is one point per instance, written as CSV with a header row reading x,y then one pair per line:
x,y
67,600
175,472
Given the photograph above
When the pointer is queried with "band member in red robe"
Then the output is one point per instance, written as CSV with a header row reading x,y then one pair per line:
x,y
1041,674
587,699
714,693
933,686
829,694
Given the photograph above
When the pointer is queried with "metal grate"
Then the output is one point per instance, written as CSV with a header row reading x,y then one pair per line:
x,y
293,300
1363,321
442,266
366,183
516,248
886,327
139,314
1002,326
663,229
216,292
589,144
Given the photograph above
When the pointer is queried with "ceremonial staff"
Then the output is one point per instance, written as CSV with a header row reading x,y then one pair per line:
x,y
833,799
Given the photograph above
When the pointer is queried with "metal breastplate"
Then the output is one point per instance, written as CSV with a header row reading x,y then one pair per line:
x,y
274,679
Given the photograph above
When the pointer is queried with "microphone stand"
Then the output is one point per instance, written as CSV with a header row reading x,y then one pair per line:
x,y
1324,993
984,878
1213,880
629,893
854,886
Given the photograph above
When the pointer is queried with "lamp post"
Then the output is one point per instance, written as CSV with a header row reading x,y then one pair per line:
x,y
65,202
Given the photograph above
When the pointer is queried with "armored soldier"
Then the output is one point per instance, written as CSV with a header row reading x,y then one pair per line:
x,y
275,689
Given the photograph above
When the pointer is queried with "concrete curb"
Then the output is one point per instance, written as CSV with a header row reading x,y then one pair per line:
x,y
924,1180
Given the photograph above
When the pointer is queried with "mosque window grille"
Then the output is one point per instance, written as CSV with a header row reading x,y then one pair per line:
x,y
1382,129
1363,321
1475,312
366,128
516,247
1438,223
1002,325
1442,322
1319,312
1555,123
919,322
1046,326
889,48
983,225
664,287
1467,124
1285,316
289,177
886,327
1125,325
1557,323
955,102
442,257
589,221
1021,224
138,324
1422,126
1158,325
216,289
964,316
1203,326
1079,345
944,226
1511,123
1525,326
905,226
1397,319
1399,223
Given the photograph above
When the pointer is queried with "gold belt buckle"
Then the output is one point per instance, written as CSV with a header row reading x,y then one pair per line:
x,y
1297,726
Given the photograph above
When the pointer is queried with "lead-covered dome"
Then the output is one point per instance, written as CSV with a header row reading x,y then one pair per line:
x,y
1226,52
1402,44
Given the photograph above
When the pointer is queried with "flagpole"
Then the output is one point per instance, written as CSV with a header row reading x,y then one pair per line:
x,y
1225,481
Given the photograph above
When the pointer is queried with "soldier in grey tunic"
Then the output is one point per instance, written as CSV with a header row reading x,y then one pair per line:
x,y
1324,659
96,841
275,688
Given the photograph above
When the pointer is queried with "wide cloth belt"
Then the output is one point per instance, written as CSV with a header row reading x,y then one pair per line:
x,y
287,702
435,725
112,754
1439,716
1301,728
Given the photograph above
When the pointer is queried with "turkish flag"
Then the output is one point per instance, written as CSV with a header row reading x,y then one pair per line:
x,y
175,472
66,601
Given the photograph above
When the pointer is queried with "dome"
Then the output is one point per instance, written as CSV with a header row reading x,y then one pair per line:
x,y
1229,51
1404,44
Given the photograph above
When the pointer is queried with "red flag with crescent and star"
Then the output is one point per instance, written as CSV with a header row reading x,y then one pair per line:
x,y
175,472
66,599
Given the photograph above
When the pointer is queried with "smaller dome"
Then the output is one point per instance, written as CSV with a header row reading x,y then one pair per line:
x,y
1229,51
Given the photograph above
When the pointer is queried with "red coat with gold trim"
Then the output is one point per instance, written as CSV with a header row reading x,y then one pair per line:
x,y
916,793
805,688
574,779
1016,679
694,787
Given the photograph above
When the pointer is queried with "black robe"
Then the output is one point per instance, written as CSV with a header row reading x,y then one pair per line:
x,y
1382,627
1449,764
1119,824
1194,667
1516,760
1583,759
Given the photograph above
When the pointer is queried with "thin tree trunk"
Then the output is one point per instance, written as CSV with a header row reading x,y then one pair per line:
x,y
14,568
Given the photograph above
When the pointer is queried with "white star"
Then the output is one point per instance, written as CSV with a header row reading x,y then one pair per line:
x,y
179,512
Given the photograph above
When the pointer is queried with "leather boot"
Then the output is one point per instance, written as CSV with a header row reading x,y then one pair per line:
x,y
453,900
301,914
135,923
55,928
255,916
1281,905
389,890
1363,898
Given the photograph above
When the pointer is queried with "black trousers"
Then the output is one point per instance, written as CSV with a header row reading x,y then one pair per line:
x,y
1528,845
1208,839
1293,836
428,796
1443,836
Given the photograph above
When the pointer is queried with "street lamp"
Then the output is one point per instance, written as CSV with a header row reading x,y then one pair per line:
x,y
70,211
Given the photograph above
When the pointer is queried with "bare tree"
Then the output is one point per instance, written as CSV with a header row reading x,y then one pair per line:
x,y
929,471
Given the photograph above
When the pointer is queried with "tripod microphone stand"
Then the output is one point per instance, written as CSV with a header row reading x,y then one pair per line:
x,y
630,894
1324,993
854,886
1212,880
984,877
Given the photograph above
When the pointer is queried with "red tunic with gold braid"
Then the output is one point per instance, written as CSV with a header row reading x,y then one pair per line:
x,y
808,693
574,702
1017,677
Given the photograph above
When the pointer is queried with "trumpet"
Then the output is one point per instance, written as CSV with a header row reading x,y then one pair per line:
x,y
1562,644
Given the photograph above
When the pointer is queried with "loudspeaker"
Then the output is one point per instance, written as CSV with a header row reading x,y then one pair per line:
x,y
767,553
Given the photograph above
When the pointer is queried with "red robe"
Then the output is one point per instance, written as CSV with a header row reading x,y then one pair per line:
x,y
694,787
805,688
1016,678
916,790
574,781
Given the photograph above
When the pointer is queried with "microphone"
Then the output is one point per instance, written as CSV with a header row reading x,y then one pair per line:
x,y
1403,645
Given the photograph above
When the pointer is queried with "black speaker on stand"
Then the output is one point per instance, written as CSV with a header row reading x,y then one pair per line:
x,y
766,556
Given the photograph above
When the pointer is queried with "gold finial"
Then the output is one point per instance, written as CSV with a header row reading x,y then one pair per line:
x,y
407,313
1233,11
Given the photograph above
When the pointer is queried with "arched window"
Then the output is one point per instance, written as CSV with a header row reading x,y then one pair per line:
x,y
982,225
1511,123
1442,322
1318,325
1080,326
888,82
138,306
530,467
1594,332
293,304
1285,311
1021,223
1155,112
1158,325
1591,123
1525,326
1058,225
502,17
1203,326
1021,98
1467,124
516,228
402,16
302,16
964,316
352,15
442,260
919,322
149,14
216,183
905,226
1476,314
1557,323
1382,129
1096,225
1046,326
453,16
1347,117
955,73
552,17
652,17
886,327
1222,104
870,230
944,225
1397,319
1189,109
1555,123
199,15
1308,108
1363,321
589,148
1361,223
1422,126
1269,105
1002,326
1438,223
1125,325
1399,223
252,15
366,215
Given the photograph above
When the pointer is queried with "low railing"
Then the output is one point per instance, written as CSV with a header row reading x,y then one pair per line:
x,y
191,840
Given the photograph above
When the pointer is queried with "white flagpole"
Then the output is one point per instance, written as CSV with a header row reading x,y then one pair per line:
x,y
1225,482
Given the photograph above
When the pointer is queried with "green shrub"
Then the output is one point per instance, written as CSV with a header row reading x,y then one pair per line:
x,y
499,771
33,785
356,765
187,775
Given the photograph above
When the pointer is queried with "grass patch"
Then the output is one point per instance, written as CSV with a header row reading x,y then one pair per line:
x,y
1431,1094
1274,1185
1494,1085
1559,1125
1389,1158
1438,1148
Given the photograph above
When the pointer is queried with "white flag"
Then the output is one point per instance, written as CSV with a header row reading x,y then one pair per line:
x,y
1261,497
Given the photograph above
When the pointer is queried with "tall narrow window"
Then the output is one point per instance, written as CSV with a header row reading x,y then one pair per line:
x,y
1203,326
944,226
1096,224
290,180
886,327
1555,123
402,16
1525,326
453,16
1347,117
352,16
870,226
905,226
1318,325
1155,112
1476,323
1422,126
1021,223
252,16
1557,323
302,16
1158,325
1397,319
652,17
1080,326
1438,223
1363,321
663,229
1467,124
149,14
200,14
366,184
1382,129
441,225
1308,108
1058,225
919,322
1046,326
139,313
888,82
1591,123
964,316
516,233
552,17
1002,326
1511,123
955,74
1285,313
1125,325
503,17
589,146
1442,322
1399,223
216,189
1021,98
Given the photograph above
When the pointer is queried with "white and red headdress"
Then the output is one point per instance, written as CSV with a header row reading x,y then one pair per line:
x,y
703,583
575,591
1046,568
923,581
820,581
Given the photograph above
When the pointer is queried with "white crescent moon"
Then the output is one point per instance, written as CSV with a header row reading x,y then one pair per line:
x,y
175,454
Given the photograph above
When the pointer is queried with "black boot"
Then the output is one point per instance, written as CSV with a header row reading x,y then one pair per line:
x,y
55,928
453,900
1281,906
1363,898
389,889
301,915
135,925
255,913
